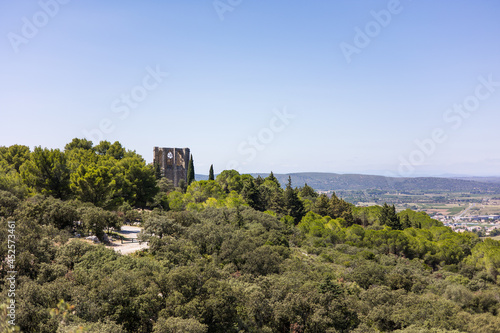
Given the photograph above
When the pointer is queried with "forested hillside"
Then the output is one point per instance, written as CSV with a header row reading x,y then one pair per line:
x,y
234,254
355,182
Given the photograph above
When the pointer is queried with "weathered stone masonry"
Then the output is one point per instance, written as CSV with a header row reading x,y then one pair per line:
x,y
173,163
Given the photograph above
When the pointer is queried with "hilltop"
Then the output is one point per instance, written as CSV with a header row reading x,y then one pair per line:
x,y
358,182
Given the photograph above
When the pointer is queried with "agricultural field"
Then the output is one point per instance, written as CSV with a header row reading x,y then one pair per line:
x,y
487,207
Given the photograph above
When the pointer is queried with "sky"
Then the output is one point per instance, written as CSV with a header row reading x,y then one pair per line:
x,y
396,88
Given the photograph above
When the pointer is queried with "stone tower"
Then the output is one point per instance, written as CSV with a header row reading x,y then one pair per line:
x,y
173,163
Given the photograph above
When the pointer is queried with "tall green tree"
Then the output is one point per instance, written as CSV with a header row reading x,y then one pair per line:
x,y
79,143
251,195
230,180
139,183
259,180
157,169
406,222
272,178
307,192
115,149
293,204
272,196
321,205
339,208
14,156
97,220
47,172
389,217
95,182
211,173
190,171
11,181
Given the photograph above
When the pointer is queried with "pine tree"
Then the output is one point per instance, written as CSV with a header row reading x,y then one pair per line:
x,y
308,192
190,172
259,181
271,177
251,195
389,217
339,208
293,204
321,205
211,173
406,222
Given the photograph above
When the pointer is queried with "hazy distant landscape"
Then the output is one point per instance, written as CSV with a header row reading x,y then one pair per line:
x,y
357,182
434,195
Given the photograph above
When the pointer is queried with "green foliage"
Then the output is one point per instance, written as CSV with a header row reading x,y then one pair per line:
x,y
115,150
157,169
48,211
339,208
307,192
418,219
109,178
95,182
211,173
11,181
293,205
47,172
273,179
367,216
179,325
8,203
6,321
251,195
321,205
486,255
389,217
77,143
138,186
230,180
159,226
218,263
96,220
201,190
14,156
190,171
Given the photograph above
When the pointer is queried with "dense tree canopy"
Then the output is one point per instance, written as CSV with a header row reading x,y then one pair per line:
x,y
47,172
234,254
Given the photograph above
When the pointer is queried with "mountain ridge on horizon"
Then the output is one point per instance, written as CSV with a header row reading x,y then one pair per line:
x,y
329,181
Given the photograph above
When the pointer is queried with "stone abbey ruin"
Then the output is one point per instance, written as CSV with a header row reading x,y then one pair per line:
x,y
173,163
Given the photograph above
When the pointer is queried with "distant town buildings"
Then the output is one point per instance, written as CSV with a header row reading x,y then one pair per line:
x,y
476,223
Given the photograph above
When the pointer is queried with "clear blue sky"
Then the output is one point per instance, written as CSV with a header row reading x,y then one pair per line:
x,y
66,68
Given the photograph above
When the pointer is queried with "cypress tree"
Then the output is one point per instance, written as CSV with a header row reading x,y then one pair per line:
x,y
211,173
190,172
157,170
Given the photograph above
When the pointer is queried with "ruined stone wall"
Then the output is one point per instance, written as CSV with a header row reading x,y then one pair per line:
x,y
173,163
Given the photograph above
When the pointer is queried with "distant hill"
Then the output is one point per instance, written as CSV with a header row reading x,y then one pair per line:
x,y
494,180
357,182
200,177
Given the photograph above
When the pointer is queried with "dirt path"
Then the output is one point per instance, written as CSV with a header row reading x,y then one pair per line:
x,y
130,244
